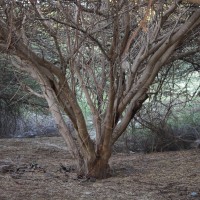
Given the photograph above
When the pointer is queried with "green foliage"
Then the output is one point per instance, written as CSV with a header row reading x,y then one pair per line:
x,y
188,116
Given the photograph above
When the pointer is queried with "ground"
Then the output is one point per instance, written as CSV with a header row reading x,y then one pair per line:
x,y
41,169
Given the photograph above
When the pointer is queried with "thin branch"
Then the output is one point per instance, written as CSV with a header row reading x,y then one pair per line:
x,y
87,34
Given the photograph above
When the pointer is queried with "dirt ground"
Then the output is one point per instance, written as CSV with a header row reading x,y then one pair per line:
x,y
30,169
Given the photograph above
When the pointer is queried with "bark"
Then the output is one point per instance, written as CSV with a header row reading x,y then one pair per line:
x,y
54,107
99,168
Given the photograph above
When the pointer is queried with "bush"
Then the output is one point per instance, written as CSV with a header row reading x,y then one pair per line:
x,y
163,129
8,118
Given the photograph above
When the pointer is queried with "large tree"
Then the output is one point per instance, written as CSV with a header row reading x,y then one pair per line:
x,y
108,52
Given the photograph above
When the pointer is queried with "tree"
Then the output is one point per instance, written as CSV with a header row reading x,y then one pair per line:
x,y
15,96
107,52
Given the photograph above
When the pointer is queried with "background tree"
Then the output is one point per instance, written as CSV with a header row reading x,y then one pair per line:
x,y
15,97
107,52
171,114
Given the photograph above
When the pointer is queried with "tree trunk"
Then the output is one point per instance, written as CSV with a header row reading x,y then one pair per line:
x,y
99,168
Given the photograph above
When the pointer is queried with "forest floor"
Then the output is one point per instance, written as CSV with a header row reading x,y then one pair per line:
x,y
30,169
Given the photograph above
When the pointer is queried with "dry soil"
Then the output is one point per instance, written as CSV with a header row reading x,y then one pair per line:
x,y
30,169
